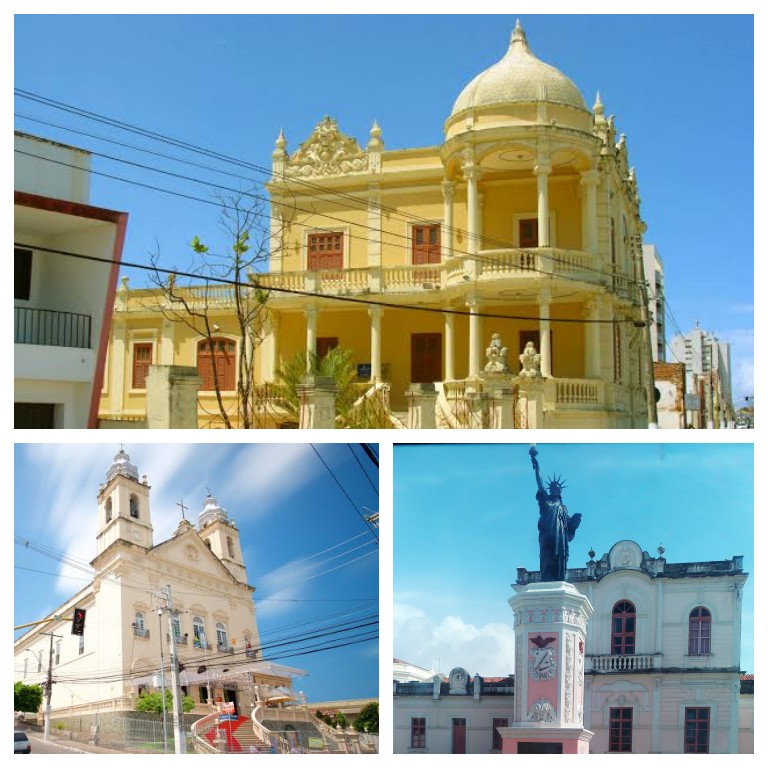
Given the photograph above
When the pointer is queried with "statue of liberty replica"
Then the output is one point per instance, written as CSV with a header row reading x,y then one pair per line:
x,y
556,527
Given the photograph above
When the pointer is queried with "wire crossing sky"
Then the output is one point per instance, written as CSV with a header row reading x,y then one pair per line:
x,y
223,87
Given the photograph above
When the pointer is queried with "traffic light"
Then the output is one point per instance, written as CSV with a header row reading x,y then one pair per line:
x,y
78,621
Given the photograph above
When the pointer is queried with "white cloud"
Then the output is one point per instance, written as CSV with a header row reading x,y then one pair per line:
x,y
486,650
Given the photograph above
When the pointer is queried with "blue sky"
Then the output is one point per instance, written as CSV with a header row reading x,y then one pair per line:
x,y
308,552
681,88
465,518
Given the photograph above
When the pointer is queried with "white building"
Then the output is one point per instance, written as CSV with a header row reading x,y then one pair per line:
x,y
653,268
708,375
62,304
662,669
119,654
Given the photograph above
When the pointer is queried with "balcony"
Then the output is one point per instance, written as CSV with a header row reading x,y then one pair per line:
x,y
141,632
489,265
637,663
46,327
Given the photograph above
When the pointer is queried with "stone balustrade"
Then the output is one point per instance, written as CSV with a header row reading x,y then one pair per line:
x,y
637,663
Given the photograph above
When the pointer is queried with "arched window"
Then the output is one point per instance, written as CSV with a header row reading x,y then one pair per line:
x,y
699,631
623,628
134,507
108,508
221,635
221,352
230,547
198,632
139,623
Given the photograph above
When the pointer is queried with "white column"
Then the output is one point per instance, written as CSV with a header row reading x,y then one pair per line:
x,y
375,314
542,170
450,373
475,332
166,346
594,352
270,360
589,182
311,315
546,355
446,236
374,224
276,225
117,366
472,175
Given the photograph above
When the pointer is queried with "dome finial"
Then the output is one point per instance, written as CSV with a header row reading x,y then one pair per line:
x,y
598,109
518,36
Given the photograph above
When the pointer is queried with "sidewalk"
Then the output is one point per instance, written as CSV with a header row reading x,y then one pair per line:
x,y
72,745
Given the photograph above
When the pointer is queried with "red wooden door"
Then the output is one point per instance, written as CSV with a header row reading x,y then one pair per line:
x,y
326,251
426,357
459,746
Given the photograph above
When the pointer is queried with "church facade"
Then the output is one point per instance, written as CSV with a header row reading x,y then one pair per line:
x,y
662,667
193,585
500,269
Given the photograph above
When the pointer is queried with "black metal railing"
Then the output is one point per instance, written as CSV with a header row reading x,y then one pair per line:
x,y
51,328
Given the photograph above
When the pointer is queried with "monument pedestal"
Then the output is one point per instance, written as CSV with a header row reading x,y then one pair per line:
x,y
550,638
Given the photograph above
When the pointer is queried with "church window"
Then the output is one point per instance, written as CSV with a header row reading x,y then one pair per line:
x,y
176,628
221,635
696,729
623,628
230,547
418,733
134,507
326,251
198,632
108,508
142,359
620,736
699,631
139,627
220,353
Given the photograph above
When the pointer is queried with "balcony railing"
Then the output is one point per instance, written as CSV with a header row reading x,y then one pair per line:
x,y
51,328
638,662
141,632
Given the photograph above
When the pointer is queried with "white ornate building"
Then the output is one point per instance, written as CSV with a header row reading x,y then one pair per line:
x,y
119,654
662,674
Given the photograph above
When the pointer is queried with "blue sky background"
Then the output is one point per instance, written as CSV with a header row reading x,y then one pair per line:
x,y
465,518
681,87
289,510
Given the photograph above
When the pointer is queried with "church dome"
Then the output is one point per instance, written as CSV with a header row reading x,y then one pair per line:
x,y
122,466
211,511
519,77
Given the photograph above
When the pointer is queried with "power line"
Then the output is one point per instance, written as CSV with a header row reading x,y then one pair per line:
x,y
332,297
321,190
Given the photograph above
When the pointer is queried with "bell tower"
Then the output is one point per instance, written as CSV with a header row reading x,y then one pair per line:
x,y
123,507
221,536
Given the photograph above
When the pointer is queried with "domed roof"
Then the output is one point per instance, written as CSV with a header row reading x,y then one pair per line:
x,y
122,466
211,511
519,77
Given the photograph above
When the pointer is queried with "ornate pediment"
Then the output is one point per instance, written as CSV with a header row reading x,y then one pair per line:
x,y
327,152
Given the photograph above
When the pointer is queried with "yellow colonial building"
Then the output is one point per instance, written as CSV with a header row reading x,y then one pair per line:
x,y
496,277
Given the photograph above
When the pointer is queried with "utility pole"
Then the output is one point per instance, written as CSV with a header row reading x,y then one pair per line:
x,y
162,680
178,722
650,389
49,688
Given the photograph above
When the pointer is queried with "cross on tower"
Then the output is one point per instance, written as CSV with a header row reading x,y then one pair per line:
x,y
181,504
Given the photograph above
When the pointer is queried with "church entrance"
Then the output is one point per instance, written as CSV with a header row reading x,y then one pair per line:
x,y
230,694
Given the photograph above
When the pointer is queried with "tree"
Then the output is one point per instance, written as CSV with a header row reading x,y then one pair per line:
x,y
218,285
353,409
27,698
153,702
368,719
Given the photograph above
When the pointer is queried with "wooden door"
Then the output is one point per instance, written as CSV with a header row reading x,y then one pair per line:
x,y
459,745
426,357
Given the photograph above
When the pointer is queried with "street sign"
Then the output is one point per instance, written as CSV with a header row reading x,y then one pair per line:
x,y
227,707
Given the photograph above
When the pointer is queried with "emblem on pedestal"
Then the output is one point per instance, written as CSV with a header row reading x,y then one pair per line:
x,y
542,663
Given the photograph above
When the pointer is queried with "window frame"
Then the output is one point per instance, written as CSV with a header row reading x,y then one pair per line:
x,y
22,279
135,345
698,644
623,635
230,374
311,234
695,742
618,739
497,742
432,251
527,215
419,732
221,631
